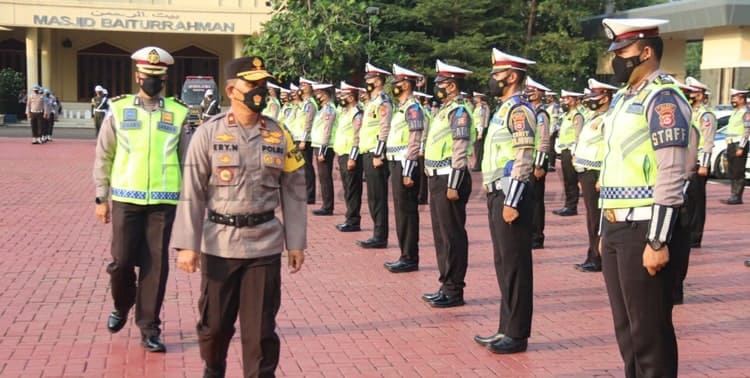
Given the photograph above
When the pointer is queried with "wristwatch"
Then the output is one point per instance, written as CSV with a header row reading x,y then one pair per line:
x,y
656,244
100,200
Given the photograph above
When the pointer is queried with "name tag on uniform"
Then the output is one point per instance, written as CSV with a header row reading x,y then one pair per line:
x,y
273,155
130,125
129,114
167,127
635,109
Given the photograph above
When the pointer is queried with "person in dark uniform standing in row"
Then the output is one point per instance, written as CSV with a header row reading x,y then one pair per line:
x,y
143,181
427,112
572,122
647,127
305,118
535,94
35,114
99,107
506,171
481,117
705,121
241,167
209,105
588,156
346,146
446,160
738,131
402,151
373,134
322,134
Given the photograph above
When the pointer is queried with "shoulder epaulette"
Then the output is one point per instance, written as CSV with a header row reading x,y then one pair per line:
x,y
118,98
664,79
177,100
216,117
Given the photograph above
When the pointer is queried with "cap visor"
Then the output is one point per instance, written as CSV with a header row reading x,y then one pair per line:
x,y
254,75
616,45
440,79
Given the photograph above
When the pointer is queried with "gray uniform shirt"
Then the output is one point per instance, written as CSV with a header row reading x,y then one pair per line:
x,y
236,170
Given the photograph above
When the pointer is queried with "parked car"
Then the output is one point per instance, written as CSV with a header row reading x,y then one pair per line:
x,y
719,161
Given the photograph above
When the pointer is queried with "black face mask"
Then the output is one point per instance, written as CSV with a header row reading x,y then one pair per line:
x,y
496,87
370,87
344,103
623,67
441,93
255,100
593,104
565,107
152,85
396,91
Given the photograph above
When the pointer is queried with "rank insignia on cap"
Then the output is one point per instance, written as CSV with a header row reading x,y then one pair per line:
x,y
153,56
257,63
666,114
249,68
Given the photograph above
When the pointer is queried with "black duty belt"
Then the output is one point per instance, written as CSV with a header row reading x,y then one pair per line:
x,y
243,220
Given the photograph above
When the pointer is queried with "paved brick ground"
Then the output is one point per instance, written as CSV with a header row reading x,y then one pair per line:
x,y
343,315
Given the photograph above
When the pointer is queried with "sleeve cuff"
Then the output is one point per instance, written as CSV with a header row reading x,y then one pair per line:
x,y
541,157
421,147
663,219
323,150
380,148
354,153
455,178
409,166
305,136
742,142
706,159
515,193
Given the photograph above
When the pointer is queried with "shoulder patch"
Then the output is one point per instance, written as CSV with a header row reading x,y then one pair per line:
x,y
667,123
521,125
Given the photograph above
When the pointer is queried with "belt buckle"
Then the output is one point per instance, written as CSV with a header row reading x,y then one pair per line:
x,y
610,215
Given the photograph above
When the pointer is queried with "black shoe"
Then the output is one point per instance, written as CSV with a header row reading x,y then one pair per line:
x,y
565,212
311,202
445,301
153,344
372,243
429,297
747,263
487,340
401,266
537,245
345,227
322,212
215,372
116,321
732,201
589,267
508,345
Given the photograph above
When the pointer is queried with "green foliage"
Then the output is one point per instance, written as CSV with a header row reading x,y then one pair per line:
x,y
11,82
693,54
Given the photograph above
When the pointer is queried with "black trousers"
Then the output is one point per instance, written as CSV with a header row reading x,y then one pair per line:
x,y
98,119
377,195
252,289
140,237
37,124
49,124
406,210
325,177
695,204
736,169
537,214
352,183
641,304
449,233
588,180
679,248
310,160
552,153
479,150
511,247
422,183
570,180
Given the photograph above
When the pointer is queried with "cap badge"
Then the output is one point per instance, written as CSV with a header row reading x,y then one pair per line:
x,y
153,57
257,63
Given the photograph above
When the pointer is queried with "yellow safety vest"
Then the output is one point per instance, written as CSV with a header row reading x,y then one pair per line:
x,y
398,136
146,169
439,145
736,125
590,148
498,158
321,118
567,137
344,140
370,130
268,112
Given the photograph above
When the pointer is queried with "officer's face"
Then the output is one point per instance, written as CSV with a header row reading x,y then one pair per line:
x,y
738,99
306,88
533,94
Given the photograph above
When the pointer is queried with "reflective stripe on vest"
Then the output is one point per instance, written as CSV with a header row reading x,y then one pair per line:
x,y
497,161
439,145
316,134
398,136
567,136
146,169
370,130
590,148
344,140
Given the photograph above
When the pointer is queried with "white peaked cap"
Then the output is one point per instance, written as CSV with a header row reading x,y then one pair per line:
x,y
420,94
565,93
693,82
550,93
478,94
318,86
98,88
403,73
372,71
586,92
293,87
447,71
270,85
105,91
682,85
284,90
152,60
302,80
535,84
596,85
349,88
737,92
503,61
624,31
210,92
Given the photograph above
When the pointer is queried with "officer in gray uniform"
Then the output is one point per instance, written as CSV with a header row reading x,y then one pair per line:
x,y
241,166
535,94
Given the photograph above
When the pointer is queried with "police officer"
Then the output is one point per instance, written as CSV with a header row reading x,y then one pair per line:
x,y
286,106
322,135
588,155
535,94
402,151
241,167
144,181
209,106
99,107
290,118
553,109
376,124
346,146
481,117
427,112
447,166
646,128
304,119
50,113
570,126
738,131
506,171
273,106
705,122
35,114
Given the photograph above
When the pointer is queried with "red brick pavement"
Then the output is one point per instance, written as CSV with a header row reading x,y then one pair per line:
x,y
343,315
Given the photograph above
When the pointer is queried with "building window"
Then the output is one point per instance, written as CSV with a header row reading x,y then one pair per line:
x,y
105,65
191,61
13,55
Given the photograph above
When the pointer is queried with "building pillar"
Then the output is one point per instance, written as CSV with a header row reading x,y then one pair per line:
x,y
238,43
32,58
45,45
